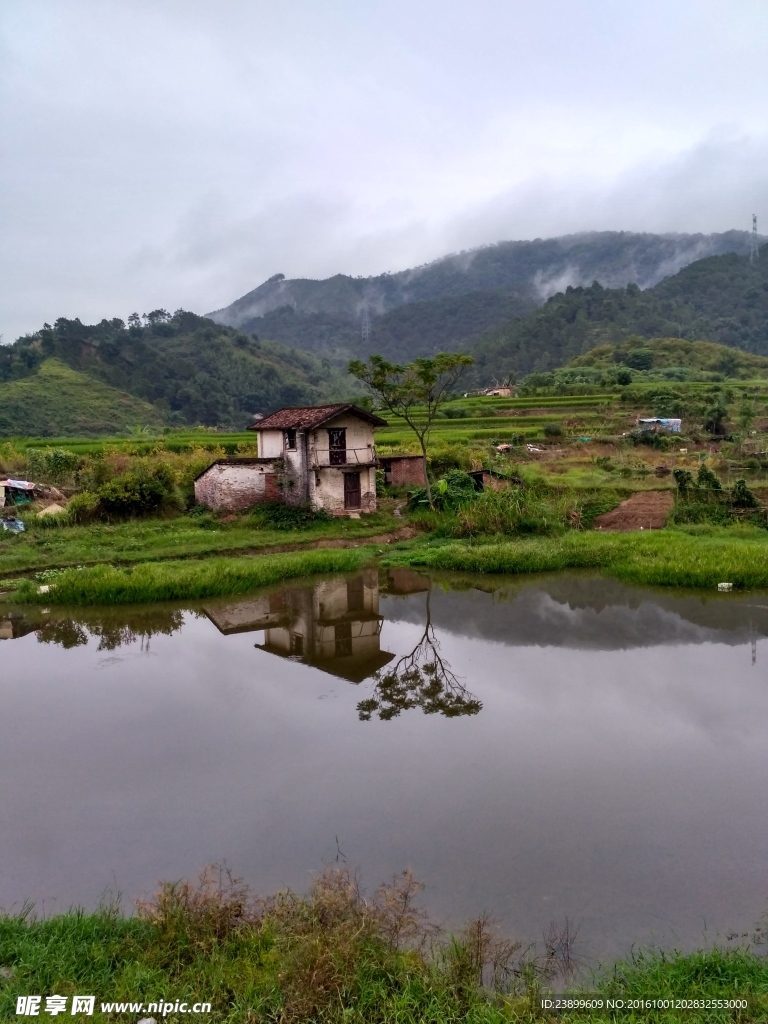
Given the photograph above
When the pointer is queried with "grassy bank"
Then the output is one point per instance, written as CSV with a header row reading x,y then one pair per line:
x,y
694,557
188,580
139,540
335,955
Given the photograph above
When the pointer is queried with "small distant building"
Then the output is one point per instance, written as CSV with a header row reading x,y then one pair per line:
x,y
404,470
486,479
653,424
321,456
499,392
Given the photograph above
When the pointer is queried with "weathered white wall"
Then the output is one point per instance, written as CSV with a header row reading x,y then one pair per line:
x,y
326,483
270,444
327,490
308,477
230,487
359,439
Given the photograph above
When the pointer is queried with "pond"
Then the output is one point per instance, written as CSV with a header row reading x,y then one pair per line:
x,y
536,747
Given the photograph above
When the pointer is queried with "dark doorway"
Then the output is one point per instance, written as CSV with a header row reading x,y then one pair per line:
x,y
337,444
351,490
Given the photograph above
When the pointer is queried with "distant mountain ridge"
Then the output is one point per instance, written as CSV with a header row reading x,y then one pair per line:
x,y
722,299
325,316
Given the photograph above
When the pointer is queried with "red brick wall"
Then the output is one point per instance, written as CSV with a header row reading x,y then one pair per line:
x,y
408,472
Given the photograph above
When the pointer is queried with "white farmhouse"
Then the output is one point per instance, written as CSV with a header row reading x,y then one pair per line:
x,y
321,456
328,453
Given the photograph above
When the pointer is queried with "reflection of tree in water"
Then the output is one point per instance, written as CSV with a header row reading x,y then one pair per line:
x,y
116,629
65,632
420,679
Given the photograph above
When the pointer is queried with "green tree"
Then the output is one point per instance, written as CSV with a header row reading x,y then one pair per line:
x,y
747,414
415,391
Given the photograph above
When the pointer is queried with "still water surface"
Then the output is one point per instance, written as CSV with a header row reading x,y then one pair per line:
x,y
537,748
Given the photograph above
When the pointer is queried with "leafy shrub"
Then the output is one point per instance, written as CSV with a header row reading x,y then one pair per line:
x,y
449,457
706,480
131,495
273,515
139,492
666,402
531,509
639,359
454,489
683,479
553,430
660,442
742,497
51,465
83,508
455,412
623,377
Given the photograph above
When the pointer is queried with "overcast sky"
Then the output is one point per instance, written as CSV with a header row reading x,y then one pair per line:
x,y
178,152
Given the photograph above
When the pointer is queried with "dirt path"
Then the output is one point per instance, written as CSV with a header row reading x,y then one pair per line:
x,y
404,533
646,510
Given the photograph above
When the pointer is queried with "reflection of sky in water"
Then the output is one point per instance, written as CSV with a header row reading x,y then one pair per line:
x,y
616,772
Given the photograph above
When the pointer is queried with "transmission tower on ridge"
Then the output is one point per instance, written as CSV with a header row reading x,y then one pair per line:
x,y
366,332
754,248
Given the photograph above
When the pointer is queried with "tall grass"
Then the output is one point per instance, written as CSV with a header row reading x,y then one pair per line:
x,y
669,558
335,955
171,581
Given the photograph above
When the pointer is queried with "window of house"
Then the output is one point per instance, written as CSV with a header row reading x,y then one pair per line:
x,y
290,440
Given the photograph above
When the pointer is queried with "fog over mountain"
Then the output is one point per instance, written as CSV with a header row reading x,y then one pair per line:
x,y
532,269
176,154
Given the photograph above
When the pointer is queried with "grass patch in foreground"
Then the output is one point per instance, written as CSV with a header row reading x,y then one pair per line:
x,y
171,581
666,558
139,540
335,956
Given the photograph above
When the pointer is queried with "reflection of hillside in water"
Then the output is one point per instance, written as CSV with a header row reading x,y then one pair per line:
x,y
591,613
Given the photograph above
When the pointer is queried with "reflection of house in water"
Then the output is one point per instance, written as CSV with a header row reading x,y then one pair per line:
x,y
334,626
13,626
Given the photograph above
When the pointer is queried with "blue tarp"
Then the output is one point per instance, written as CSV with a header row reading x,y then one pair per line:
x,y
14,525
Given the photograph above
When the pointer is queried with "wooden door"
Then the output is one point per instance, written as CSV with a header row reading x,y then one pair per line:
x,y
351,490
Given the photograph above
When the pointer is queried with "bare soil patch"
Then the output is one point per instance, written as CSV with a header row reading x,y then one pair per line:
x,y
646,510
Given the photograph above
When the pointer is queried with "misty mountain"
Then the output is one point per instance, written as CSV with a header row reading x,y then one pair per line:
x,y
722,299
444,299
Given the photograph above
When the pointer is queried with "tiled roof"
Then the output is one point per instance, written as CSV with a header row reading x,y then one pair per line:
x,y
307,417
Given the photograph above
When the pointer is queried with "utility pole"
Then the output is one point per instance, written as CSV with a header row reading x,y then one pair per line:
x,y
754,248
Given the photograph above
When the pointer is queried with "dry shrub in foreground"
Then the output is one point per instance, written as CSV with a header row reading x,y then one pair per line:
x,y
211,909
333,947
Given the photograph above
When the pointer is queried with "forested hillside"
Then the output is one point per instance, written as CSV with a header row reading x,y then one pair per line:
x,y
448,303
55,400
678,354
415,329
722,299
184,367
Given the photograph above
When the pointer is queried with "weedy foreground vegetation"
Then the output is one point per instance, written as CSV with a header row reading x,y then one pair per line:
x,y
334,955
